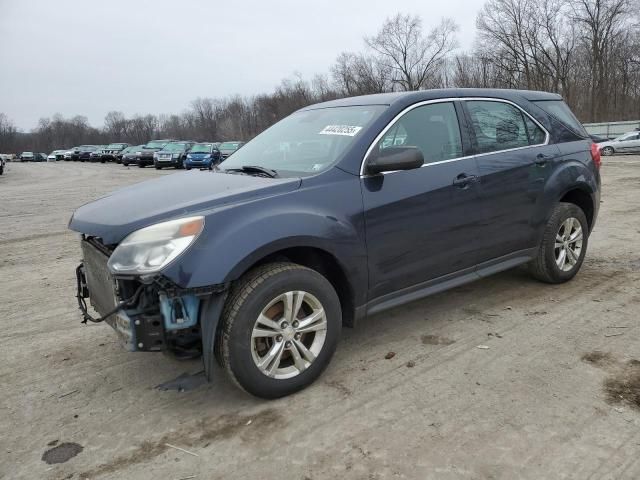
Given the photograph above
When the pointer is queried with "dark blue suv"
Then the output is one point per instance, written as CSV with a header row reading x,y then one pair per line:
x,y
341,210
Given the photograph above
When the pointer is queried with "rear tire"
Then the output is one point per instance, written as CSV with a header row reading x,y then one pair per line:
x,y
300,345
564,245
607,151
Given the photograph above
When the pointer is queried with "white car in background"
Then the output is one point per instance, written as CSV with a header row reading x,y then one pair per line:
x,y
55,155
625,143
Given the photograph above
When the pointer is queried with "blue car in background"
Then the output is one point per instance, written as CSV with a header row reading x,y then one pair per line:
x,y
203,155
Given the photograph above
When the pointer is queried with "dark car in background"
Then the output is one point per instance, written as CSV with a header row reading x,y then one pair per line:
x,y
128,155
203,155
325,218
85,151
145,155
77,151
228,148
113,152
173,154
96,155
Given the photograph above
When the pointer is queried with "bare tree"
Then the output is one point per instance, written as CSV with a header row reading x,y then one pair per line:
x,y
602,22
414,57
8,134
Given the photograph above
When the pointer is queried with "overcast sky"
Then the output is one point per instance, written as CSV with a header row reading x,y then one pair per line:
x,y
89,57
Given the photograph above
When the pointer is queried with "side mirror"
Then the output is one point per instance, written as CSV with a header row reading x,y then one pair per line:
x,y
394,158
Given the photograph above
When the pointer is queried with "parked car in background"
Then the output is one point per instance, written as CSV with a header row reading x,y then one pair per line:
x,y
85,152
227,148
173,154
2,163
128,155
96,155
144,157
261,263
626,143
113,152
68,154
27,157
77,151
56,155
203,155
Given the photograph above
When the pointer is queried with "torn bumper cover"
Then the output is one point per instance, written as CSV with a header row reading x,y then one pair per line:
x,y
153,315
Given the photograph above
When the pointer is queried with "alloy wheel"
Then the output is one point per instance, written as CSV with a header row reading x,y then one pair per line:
x,y
288,335
568,245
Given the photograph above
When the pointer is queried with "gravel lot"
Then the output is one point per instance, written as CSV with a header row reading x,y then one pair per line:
x,y
538,403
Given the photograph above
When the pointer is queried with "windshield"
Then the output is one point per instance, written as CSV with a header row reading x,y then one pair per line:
x,y
229,145
306,142
155,144
115,146
202,148
174,147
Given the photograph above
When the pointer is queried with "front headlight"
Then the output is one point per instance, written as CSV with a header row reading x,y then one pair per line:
x,y
150,249
189,157
176,155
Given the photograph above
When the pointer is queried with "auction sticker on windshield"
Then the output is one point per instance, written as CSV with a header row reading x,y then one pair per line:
x,y
348,130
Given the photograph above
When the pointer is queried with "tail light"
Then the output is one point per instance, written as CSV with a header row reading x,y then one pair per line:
x,y
595,155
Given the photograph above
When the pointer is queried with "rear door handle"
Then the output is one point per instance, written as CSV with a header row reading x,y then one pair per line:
x,y
463,180
542,159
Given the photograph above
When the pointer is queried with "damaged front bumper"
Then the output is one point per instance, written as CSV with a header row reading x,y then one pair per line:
x,y
150,314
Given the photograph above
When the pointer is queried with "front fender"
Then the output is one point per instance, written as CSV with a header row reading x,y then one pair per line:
x,y
326,215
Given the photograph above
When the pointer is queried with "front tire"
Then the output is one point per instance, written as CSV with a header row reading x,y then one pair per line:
x,y
280,327
563,246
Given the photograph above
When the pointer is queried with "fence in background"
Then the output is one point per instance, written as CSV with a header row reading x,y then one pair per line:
x,y
611,129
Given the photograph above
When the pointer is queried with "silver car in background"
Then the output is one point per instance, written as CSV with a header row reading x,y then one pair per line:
x,y
625,143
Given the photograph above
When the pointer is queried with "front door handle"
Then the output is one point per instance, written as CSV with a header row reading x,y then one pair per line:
x,y
542,159
463,180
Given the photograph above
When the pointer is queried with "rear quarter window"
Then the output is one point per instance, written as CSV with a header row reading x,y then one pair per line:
x,y
561,111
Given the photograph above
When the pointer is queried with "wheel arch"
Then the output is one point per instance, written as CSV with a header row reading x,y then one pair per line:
x,y
313,257
582,198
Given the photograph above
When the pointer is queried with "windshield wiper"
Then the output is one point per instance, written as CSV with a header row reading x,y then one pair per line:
x,y
254,169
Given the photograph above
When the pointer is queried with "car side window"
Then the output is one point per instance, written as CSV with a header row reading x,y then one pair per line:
x,y
501,126
536,135
433,128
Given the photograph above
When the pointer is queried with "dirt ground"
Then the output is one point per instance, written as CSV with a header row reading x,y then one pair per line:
x,y
551,397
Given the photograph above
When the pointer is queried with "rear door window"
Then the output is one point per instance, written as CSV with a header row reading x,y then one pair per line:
x,y
501,126
433,128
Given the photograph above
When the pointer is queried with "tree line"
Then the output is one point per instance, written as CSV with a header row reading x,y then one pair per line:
x,y
586,50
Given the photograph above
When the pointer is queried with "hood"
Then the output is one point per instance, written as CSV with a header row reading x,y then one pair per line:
x,y
181,194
